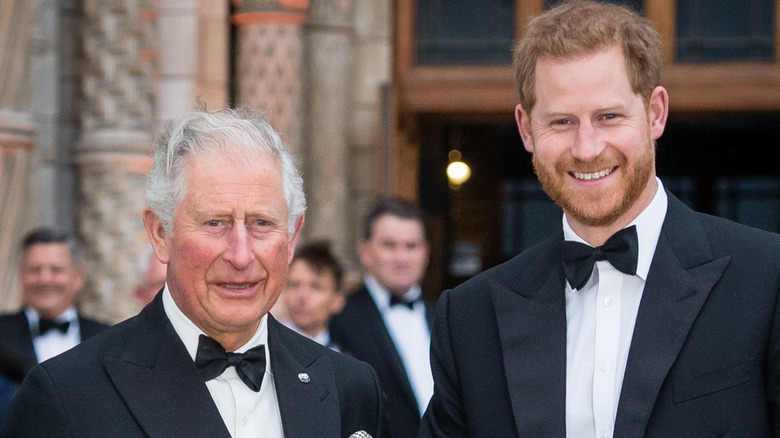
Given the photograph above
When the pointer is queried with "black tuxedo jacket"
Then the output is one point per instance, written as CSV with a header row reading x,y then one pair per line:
x,y
17,352
704,360
360,331
136,379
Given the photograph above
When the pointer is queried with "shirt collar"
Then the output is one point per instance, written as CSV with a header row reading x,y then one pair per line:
x,y
189,333
382,297
322,338
648,228
70,314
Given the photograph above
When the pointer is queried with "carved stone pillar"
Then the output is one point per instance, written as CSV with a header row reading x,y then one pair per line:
x,y
329,69
16,139
113,154
269,57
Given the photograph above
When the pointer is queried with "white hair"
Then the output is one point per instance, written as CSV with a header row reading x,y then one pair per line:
x,y
229,131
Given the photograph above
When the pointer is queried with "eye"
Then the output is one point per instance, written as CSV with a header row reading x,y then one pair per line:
x,y
212,223
261,222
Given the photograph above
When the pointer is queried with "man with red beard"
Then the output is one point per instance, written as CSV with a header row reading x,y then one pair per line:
x,y
642,317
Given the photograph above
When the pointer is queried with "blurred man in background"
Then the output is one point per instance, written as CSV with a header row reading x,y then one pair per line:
x,y
386,321
314,292
51,274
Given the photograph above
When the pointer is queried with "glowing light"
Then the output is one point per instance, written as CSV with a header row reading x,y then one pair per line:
x,y
458,172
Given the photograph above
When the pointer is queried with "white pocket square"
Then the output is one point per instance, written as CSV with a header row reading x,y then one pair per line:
x,y
360,434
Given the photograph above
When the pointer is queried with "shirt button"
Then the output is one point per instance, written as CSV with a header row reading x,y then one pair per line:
x,y
244,420
603,366
604,434
607,301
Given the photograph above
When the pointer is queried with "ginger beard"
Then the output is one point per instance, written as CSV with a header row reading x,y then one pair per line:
x,y
597,207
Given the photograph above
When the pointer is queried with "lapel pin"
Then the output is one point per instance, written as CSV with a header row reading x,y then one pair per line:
x,y
304,378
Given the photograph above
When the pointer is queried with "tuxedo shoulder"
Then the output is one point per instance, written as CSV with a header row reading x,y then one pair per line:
x,y
350,365
523,270
92,324
109,342
351,374
727,232
358,302
10,318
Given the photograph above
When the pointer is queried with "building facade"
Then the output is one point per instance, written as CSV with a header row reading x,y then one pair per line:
x,y
372,96
87,83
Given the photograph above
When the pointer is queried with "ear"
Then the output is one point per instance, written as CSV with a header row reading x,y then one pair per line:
x,y
364,252
338,303
79,278
157,235
658,110
524,126
293,242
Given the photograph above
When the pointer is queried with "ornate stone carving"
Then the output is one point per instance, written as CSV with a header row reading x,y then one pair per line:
x,y
112,155
269,76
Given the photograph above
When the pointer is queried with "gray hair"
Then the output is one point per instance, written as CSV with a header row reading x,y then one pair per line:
x,y
225,130
46,235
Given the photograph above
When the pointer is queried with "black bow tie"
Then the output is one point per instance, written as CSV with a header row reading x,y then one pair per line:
x,y
396,300
621,251
44,325
212,360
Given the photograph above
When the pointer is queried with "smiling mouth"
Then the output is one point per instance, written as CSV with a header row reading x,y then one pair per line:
x,y
593,175
241,286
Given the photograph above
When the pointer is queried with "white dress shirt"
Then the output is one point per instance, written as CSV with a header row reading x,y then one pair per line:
x,y
409,330
247,414
322,338
54,342
600,322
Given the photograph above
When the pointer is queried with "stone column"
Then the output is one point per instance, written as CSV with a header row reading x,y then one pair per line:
x,y
193,60
213,54
113,154
178,49
269,63
329,69
16,139
370,110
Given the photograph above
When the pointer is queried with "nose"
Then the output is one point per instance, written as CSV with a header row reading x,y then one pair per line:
x,y
587,145
45,275
239,252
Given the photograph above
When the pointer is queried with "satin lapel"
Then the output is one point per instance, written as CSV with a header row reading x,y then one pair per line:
x,y
305,385
430,312
24,341
373,322
681,277
532,327
158,381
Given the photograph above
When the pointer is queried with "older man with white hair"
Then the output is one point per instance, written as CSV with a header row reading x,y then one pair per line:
x,y
225,206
